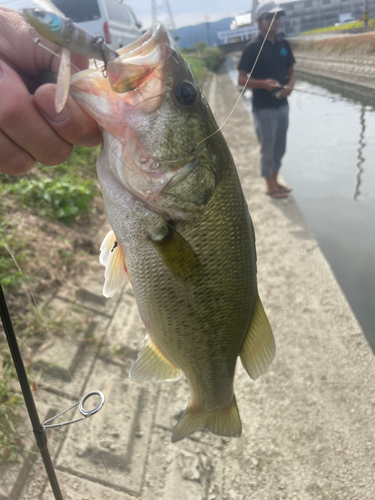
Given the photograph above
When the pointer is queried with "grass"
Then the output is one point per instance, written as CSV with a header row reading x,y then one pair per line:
x,y
42,214
203,59
197,67
64,192
349,26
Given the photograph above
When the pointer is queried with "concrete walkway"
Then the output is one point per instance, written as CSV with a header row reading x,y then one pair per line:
x,y
308,423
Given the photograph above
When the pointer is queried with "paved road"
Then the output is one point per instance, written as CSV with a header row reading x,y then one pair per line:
x,y
308,423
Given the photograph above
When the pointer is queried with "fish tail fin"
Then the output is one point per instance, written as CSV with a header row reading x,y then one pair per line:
x,y
226,422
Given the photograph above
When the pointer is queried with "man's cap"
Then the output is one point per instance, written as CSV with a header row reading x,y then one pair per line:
x,y
267,8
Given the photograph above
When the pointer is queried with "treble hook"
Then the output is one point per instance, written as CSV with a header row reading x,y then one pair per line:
x,y
84,413
99,42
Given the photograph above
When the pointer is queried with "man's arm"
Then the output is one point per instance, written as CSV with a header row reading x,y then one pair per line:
x,y
254,83
287,90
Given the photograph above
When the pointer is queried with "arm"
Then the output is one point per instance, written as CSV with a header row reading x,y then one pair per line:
x,y
254,83
30,128
291,79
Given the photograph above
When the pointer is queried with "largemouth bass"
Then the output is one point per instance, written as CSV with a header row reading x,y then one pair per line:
x,y
182,233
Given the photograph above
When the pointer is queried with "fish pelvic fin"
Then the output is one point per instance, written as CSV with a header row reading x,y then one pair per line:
x,y
152,366
259,348
112,256
226,422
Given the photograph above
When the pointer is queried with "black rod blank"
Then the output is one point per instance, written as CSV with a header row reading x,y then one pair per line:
x,y
39,432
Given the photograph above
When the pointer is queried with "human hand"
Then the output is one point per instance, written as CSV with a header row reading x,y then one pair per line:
x,y
30,128
287,90
271,85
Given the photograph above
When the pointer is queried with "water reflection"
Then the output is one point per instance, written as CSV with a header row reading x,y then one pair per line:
x,y
361,158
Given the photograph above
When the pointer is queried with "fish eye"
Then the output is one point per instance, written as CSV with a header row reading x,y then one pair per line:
x,y
186,93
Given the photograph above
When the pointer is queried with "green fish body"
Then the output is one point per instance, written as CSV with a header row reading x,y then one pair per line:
x,y
182,232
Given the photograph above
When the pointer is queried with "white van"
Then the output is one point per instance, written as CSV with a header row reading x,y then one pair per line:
x,y
112,19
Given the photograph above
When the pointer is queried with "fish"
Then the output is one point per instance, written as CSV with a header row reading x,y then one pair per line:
x,y
51,23
181,232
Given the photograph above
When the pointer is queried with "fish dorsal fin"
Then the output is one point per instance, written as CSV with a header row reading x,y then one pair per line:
x,y
112,256
63,80
151,365
225,422
258,350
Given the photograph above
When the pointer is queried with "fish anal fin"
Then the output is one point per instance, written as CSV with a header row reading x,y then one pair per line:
x,y
259,348
226,422
152,366
112,256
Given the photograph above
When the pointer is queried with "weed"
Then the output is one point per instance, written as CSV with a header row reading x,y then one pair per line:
x,y
10,443
64,192
345,27
63,199
201,58
10,276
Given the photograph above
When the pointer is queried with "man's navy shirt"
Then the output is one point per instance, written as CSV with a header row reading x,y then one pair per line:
x,y
274,61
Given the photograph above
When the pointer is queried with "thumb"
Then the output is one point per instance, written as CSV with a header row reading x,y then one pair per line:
x,y
72,123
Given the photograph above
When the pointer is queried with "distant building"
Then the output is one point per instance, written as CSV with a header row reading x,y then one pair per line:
x,y
301,16
241,21
241,30
306,15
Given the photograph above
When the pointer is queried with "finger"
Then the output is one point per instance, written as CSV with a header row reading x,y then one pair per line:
x,y
24,125
72,124
19,50
13,159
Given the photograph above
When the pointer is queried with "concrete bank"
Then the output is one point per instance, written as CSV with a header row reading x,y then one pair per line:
x,y
352,75
308,423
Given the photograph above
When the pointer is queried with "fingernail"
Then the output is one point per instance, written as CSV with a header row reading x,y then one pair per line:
x,y
46,105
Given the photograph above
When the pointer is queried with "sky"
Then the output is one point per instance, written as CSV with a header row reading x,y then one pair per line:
x,y
190,12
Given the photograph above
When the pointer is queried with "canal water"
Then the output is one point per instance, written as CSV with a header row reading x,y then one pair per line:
x,y
330,164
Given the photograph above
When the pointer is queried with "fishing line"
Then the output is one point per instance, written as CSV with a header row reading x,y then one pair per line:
x,y
23,276
38,42
244,87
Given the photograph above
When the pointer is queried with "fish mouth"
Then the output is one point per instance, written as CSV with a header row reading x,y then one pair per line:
x,y
135,81
137,60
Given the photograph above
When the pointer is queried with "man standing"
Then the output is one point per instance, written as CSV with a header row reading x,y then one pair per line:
x,y
271,81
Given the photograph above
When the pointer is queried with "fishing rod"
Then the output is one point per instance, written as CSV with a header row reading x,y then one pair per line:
x,y
39,428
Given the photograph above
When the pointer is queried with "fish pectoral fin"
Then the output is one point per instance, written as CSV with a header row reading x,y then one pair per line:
x,y
259,348
112,256
177,254
226,422
152,366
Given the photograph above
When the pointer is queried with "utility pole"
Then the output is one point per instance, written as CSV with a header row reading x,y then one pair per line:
x,y
161,13
253,9
365,13
208,31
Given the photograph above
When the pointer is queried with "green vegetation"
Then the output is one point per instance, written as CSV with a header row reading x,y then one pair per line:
x,y
9,403
60,192
197,66
202,59
41,218
349,26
